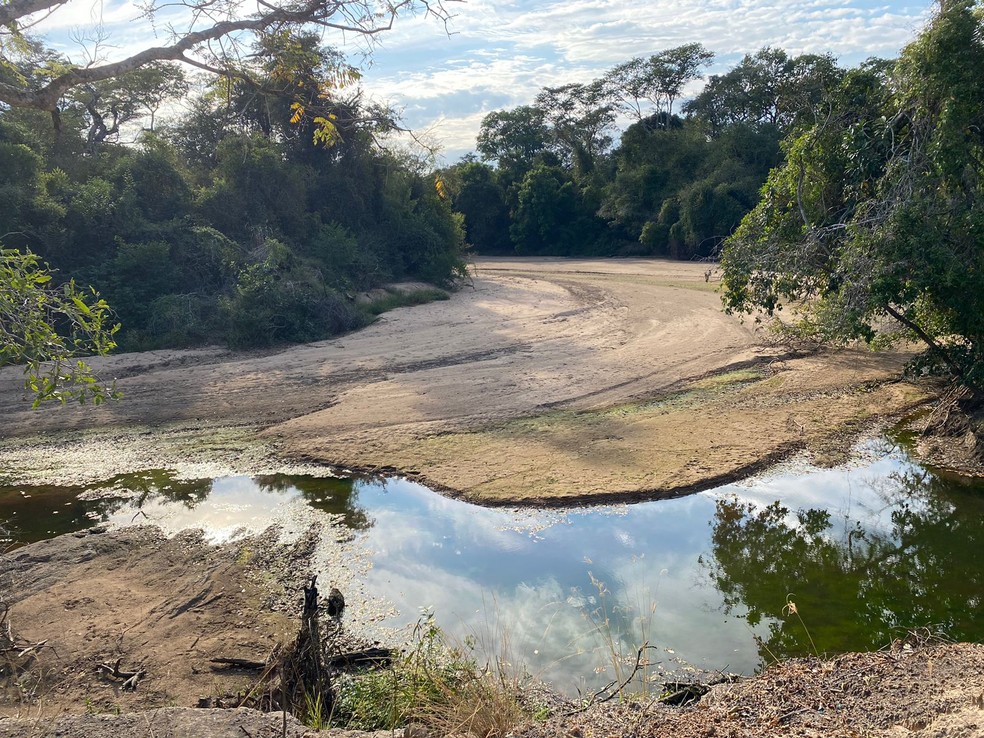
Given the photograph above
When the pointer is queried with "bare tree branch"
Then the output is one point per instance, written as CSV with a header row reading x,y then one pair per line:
x,y
17,9
338,15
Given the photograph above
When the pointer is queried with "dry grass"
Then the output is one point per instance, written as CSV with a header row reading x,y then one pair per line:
x,y
484,705
436,684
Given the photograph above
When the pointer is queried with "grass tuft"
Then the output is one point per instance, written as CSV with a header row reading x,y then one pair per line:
x,y
435,684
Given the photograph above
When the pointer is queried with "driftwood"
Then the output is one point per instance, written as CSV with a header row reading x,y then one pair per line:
x,y
240,664
352,659
614,689
304,676
17,653
683,693
297,678
365,657
130,678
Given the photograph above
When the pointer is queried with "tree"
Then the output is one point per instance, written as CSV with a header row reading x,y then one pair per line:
x,y
877,212
579,118
767,88
109,104
513,138
658,80
213,38
479,197
48,327
551,217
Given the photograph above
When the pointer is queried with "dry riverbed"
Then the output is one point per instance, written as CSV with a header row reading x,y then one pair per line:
x,y
544,381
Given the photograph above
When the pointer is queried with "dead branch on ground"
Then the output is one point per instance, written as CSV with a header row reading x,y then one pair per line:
x,y
130,678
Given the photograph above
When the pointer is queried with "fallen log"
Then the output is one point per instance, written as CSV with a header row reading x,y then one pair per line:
x,y
374,656
366,657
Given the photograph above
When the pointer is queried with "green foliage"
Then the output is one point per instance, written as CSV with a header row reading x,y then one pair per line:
x,y
395,299
767,88
856,587
47,327
550,216
391,698
433,683
277,301
877,210
479,196
657,80
672,187
233,225
514,138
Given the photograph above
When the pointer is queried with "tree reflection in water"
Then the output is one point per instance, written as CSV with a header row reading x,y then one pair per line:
x,y
857,585
36,512
31,513
328,494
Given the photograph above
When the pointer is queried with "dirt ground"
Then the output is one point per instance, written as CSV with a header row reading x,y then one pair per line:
x,y
163,605
544,381
906,691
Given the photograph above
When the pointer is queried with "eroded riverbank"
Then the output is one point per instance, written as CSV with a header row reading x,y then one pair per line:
x,y
547,383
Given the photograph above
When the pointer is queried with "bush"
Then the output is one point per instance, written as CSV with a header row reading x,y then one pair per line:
x,y
274,303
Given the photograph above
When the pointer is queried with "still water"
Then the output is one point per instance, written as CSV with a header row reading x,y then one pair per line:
x,y
866,552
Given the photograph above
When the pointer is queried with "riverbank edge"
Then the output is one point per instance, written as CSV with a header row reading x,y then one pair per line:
x,y
211,450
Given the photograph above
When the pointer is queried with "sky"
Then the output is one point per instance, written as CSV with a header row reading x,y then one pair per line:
x,y
496,54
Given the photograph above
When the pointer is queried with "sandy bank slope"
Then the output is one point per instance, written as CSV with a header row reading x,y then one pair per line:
x,y
567,379
162,605
578,380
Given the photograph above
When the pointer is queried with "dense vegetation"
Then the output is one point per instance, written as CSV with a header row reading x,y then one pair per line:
x,y
857,191
550,182
251,220
254,218
877,211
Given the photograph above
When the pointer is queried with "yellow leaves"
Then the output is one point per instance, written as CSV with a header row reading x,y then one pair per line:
x,y
439,186
326,132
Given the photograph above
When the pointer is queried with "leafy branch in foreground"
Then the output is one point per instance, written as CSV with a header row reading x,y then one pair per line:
x,y
48,327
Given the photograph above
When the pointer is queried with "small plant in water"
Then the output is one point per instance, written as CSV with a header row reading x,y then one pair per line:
x,y
624,627
790,609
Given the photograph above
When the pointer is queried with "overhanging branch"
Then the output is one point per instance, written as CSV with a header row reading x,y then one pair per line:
x,y
17,9
935,347
313,12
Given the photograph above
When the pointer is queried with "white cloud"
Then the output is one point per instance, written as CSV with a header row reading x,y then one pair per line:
x,y
505,52
495,55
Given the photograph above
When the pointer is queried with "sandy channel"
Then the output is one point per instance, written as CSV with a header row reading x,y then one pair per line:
x,y
542,381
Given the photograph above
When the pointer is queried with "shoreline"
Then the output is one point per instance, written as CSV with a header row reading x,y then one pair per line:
x,y
548,382
72,458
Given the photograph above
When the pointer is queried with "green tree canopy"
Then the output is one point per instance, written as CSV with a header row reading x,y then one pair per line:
x,y
877,212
